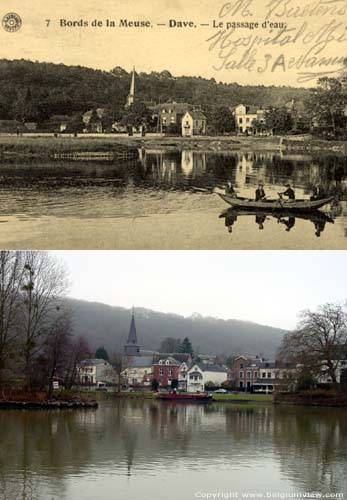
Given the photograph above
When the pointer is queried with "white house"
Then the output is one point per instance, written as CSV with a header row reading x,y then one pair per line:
x,y
183,376
95,372
193,123
139,371
245,116
200,373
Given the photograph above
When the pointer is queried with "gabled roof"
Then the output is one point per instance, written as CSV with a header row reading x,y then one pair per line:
x,y
93,362
179,356
197,115
141,362
171,360
210,367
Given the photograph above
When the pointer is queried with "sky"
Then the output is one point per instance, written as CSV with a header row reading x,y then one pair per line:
x,y
266,287
47,35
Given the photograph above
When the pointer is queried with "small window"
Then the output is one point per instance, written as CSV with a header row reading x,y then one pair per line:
x,y
268,374
240,120
241,365
248,375
241,374
161,371
255,374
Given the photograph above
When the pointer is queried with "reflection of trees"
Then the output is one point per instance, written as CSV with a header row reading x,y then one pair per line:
x,y
131,436
308,443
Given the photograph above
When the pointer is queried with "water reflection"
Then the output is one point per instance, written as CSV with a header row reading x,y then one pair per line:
x,y
286,218
164,188
126,444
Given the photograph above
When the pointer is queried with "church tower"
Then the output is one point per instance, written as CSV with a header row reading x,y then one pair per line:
x,y
131,96
132,348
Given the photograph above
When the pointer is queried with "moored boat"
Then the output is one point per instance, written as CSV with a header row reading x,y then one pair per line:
x,y
199,397
275,204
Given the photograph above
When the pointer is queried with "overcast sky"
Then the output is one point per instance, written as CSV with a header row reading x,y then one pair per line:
x,y
264,287
46,36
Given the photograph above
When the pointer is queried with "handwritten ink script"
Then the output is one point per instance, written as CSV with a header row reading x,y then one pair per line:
x,y
308,39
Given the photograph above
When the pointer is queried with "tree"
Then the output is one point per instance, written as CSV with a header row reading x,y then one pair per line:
x,y
137,115
174,383
11,274
75,124
155,385
222,120
43,287
170,345
319,342
278,120
101,353
78,351
186,346
120,363
327,102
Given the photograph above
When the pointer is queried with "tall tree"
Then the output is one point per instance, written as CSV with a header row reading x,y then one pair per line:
x,y
186,346
43,289
101,353
11,274
320,341
78,351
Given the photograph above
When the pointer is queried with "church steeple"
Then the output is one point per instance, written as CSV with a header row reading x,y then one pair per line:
x,y
131,96
132,348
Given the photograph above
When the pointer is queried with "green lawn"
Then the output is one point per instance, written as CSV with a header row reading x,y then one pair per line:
x,y
243,397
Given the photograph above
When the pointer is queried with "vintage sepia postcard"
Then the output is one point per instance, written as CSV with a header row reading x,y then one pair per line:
x,y
163,124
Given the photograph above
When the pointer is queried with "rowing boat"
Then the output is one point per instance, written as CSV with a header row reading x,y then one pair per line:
x,y
275,205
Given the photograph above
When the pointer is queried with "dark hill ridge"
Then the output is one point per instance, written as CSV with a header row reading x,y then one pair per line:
x,y
106,325
38,90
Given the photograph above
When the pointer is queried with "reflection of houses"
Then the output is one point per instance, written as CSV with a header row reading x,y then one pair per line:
x,y
193,123
95,371
247,116
201,373
193,163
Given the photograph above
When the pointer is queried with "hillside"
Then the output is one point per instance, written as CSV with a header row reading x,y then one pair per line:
x,y
106,325
34,91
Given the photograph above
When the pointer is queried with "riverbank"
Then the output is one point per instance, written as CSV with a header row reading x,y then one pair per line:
x,y
313,398
217,398
11,399
107,147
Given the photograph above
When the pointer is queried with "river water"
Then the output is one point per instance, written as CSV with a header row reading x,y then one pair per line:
x,y
150,450
166,200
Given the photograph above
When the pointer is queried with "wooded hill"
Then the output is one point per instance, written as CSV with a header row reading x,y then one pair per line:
x,y
34,91
108,326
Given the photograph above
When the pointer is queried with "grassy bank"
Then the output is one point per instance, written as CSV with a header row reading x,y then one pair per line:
x,y
41,397
47,147
316,397
243,397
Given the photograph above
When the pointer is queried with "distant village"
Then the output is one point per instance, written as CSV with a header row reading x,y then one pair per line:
x,y
171,118
137,369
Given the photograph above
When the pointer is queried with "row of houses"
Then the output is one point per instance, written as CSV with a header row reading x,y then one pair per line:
x,y
193,373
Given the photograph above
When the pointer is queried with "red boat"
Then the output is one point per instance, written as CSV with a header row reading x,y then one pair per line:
x,y
197,397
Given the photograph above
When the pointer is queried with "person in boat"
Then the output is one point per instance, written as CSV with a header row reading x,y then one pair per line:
x,y
318,193
260,193
230,190
288,192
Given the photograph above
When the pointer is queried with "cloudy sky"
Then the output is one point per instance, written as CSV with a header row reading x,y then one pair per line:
x,y
47,35
265,287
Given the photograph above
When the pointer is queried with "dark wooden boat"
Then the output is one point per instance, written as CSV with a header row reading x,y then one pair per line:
x,y
201,397
275,205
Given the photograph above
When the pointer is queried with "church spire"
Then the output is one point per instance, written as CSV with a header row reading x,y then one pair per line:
x,y
132,348
131,96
